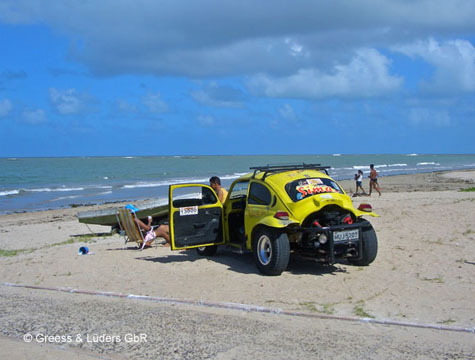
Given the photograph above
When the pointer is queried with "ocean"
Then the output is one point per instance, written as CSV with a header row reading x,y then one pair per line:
x,y
29,184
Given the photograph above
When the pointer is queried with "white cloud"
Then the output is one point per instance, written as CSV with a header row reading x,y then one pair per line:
x,y
67,102
429,117
287,113
219,96
34,117
125,107
206,120
366,75
295,49
5,107
154,103
454,63
248,37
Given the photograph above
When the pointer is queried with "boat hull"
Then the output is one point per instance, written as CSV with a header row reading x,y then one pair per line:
x,y
107,217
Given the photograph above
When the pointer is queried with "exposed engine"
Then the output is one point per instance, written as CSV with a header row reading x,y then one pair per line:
x,y
329,216
315,244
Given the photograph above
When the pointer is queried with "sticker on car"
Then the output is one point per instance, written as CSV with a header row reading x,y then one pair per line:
x,y
188,210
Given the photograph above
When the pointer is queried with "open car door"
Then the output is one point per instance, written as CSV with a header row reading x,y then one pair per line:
x,y
196,216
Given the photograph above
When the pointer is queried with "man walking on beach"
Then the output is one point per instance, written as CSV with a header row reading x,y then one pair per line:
x,y
373,180
215,183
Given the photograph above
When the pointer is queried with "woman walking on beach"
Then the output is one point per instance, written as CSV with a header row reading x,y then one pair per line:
x,y
359,182
373,180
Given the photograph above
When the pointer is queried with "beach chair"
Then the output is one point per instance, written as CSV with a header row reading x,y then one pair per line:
x,y
129,228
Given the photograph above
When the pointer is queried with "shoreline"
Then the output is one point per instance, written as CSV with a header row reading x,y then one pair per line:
x,y
49,185
388,183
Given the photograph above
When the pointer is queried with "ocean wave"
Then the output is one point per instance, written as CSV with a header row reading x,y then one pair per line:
x,y
233,176
9,192
163,183
412,155
186,157
39,190
65,189
66,198
381,166
427,163
102,187
179,181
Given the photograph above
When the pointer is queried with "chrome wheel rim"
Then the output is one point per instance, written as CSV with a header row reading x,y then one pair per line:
x,y
264,250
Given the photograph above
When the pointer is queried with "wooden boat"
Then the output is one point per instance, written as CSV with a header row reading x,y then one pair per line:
x,y
157,209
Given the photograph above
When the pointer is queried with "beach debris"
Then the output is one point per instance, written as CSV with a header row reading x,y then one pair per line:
x,y
84,250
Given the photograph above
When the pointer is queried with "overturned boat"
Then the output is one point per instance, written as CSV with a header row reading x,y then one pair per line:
x,y
157,209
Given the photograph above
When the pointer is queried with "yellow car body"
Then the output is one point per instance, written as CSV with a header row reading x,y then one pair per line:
x,y
274,211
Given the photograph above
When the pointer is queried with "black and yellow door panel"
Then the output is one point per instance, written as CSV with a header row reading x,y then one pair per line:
x,y
196,216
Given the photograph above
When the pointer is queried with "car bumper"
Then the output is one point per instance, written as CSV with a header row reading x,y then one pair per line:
x,y
342,242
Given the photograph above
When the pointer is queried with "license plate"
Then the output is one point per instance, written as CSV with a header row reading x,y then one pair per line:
x,y
189,210
343,236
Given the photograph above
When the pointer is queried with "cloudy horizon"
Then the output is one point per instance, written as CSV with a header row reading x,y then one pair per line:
x,y
219,77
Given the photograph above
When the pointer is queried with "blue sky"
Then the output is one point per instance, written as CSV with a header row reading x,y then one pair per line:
x,y
146,77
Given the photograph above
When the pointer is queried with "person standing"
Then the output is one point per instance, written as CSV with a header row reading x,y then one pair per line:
x,y
359,182
215,183
373,180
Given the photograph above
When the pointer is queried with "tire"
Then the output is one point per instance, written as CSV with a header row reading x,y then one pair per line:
x,y
207,250
370,247
271,251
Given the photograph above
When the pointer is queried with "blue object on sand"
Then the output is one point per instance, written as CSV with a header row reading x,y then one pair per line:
x,y
83,250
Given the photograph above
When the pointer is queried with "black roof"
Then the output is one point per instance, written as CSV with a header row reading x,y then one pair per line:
x,y
272,169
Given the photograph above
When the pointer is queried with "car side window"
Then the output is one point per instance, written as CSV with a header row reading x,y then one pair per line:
x,y
239,190
193,196
259,194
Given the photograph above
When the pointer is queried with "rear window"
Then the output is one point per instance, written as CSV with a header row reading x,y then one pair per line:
x,y
304,188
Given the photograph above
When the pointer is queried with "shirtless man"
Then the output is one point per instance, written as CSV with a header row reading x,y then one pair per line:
x,y
373,180
215,183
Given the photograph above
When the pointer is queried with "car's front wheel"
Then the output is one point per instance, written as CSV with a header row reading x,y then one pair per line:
x,y
271,251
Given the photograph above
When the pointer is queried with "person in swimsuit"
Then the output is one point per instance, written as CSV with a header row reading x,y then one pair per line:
x,y
161,231
215,183
359,182
150,233
373,180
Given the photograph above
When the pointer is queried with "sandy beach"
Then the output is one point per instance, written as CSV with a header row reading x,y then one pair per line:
x,y
424,274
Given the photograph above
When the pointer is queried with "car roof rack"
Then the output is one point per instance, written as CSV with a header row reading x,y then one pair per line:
x,y
273,169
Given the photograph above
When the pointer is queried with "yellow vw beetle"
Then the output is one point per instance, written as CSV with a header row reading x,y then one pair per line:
x,y
274,211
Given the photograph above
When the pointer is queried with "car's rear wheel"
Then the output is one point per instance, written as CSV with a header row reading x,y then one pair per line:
x,y
271,251
207,250
370,247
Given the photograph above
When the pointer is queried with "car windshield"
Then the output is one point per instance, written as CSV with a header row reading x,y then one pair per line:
x,y
304,188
